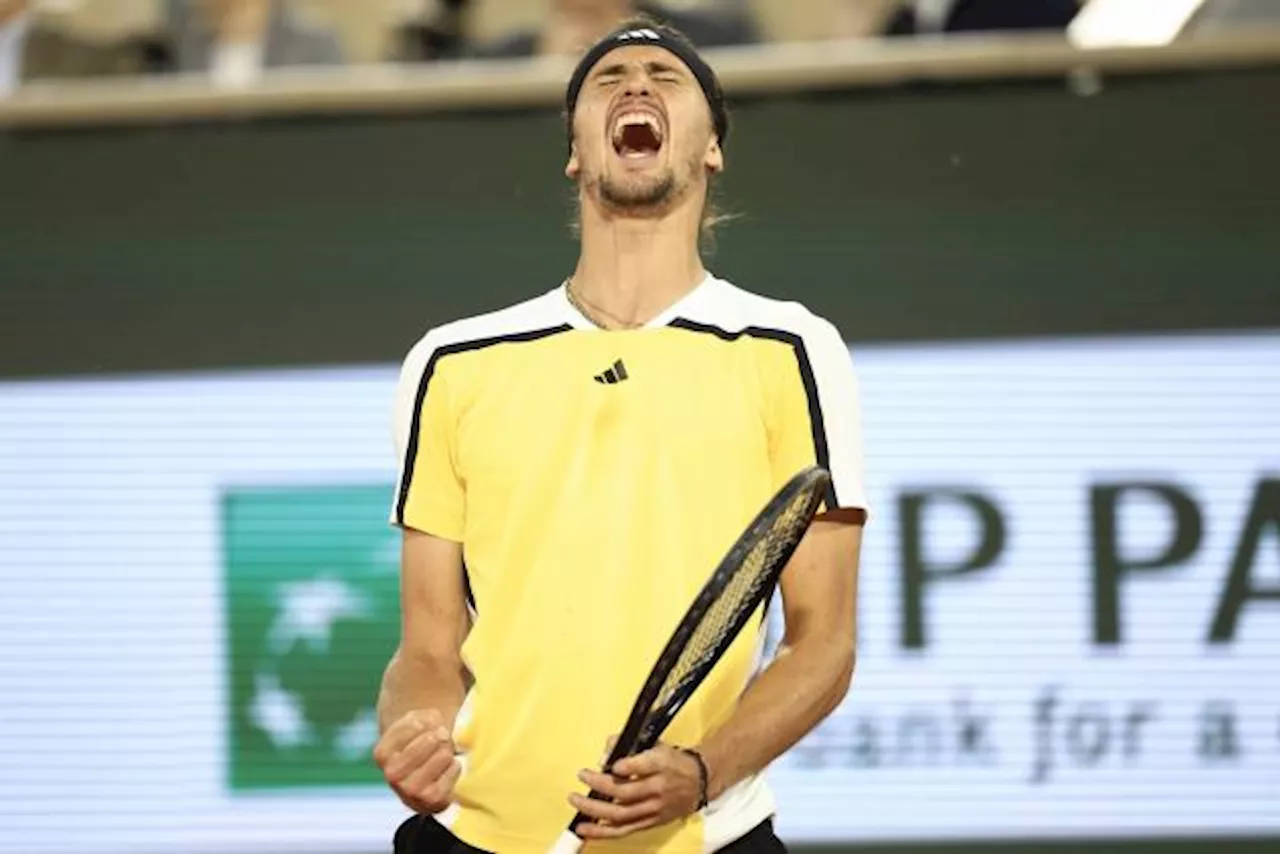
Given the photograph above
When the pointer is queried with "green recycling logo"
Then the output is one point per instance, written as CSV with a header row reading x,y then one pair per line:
x,y
312,587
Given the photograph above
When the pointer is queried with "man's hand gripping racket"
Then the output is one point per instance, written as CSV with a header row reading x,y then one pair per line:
x,y
743,580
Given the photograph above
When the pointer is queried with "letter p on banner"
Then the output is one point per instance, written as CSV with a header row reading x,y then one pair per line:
x,y
918,572
1110,565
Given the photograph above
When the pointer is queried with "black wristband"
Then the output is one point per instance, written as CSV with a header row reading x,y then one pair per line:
x,y
702,775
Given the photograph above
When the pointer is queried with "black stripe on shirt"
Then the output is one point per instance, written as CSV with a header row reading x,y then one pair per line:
x,y
466,588
817,427
411,449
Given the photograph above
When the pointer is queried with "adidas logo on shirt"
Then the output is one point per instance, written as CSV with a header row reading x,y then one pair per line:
x,y
613,376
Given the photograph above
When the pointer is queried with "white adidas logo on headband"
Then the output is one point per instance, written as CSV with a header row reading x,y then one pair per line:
x,y
646,34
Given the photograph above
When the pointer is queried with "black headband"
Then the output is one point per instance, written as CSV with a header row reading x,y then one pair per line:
x,y
653,36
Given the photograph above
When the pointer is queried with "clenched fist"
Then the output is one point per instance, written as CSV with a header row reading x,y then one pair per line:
x,y
416,756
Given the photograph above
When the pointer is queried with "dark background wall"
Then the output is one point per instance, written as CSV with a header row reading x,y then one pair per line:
x,y
928,212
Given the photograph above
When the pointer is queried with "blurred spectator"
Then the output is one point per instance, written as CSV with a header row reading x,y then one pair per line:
x,y
572,26
919,17
234,41
863,18
14,23
30,49
438,33
970,15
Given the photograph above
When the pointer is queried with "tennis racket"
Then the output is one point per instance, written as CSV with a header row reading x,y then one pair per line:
x,y
742,581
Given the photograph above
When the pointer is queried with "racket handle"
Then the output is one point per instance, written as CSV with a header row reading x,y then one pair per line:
x,y
568,843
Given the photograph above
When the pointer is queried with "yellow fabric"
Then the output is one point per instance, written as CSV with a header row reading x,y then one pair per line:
x,y
590,515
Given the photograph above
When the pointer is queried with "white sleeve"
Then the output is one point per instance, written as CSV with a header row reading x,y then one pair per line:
x,y
404,407
837,391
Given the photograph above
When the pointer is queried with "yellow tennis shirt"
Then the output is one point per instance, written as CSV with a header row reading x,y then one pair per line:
x,y
595,479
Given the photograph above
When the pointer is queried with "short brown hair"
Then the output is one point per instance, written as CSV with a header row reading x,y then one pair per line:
x,y
714,215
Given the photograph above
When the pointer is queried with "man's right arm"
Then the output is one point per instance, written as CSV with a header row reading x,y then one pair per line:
x,y
425,682
426,671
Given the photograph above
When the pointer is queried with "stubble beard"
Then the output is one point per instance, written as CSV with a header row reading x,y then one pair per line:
x,y
645,196
649,196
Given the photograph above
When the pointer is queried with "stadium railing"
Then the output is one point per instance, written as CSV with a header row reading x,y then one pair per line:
x,y
753,70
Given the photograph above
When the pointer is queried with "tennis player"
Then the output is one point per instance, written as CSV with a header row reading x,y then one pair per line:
x,y
573,468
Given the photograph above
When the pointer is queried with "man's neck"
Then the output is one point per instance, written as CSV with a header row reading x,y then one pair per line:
x,y
631,269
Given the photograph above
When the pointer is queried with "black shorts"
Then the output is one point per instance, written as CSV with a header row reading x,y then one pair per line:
x,y
422,834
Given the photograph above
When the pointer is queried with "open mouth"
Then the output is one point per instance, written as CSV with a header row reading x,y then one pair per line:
x,y
637,135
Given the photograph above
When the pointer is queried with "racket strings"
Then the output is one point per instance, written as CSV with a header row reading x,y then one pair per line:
x,y
745,591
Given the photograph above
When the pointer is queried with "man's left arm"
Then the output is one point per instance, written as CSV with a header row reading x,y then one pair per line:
x,y
813,668
816,417
804,683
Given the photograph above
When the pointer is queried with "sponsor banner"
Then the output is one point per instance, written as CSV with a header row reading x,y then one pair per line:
x,y
312,610
1069,622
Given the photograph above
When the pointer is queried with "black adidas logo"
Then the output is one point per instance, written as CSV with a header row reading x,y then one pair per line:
x,y
614,375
